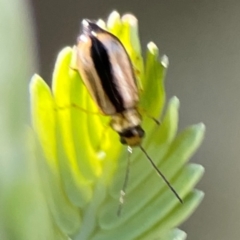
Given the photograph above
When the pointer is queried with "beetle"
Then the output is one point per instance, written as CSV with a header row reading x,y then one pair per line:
x,y
107,72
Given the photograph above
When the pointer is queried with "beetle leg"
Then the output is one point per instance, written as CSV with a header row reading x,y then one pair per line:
x,y
144,112
73,105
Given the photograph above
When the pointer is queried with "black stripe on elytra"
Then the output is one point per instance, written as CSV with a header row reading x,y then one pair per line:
x,y
103,67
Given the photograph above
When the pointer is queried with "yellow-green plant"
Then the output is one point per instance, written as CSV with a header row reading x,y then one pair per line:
x,y
71,175
82,183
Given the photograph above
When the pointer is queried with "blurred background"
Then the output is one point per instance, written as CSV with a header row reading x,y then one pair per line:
x,y
202,41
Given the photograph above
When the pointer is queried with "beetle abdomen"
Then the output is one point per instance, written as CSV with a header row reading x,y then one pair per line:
x,y
106,70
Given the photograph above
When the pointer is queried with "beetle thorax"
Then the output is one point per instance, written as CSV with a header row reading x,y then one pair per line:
x,y
124,120
128,126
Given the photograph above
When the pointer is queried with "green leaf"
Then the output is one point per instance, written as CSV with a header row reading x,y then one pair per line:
x,y
156,234
153,96
44,120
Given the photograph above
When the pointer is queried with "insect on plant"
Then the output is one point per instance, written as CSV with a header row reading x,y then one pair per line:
x,y
108,74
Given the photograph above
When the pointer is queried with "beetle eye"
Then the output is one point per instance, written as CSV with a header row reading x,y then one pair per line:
x,y
122,140
140,132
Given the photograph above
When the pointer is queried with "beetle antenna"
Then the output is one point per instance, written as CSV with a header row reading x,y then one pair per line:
x,y
123,190
161,174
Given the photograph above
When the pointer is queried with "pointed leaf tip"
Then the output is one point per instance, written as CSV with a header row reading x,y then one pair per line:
x,y
131,19
152,47
165,61
201,126
36,83
35,78
114,15
114,21
175,101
